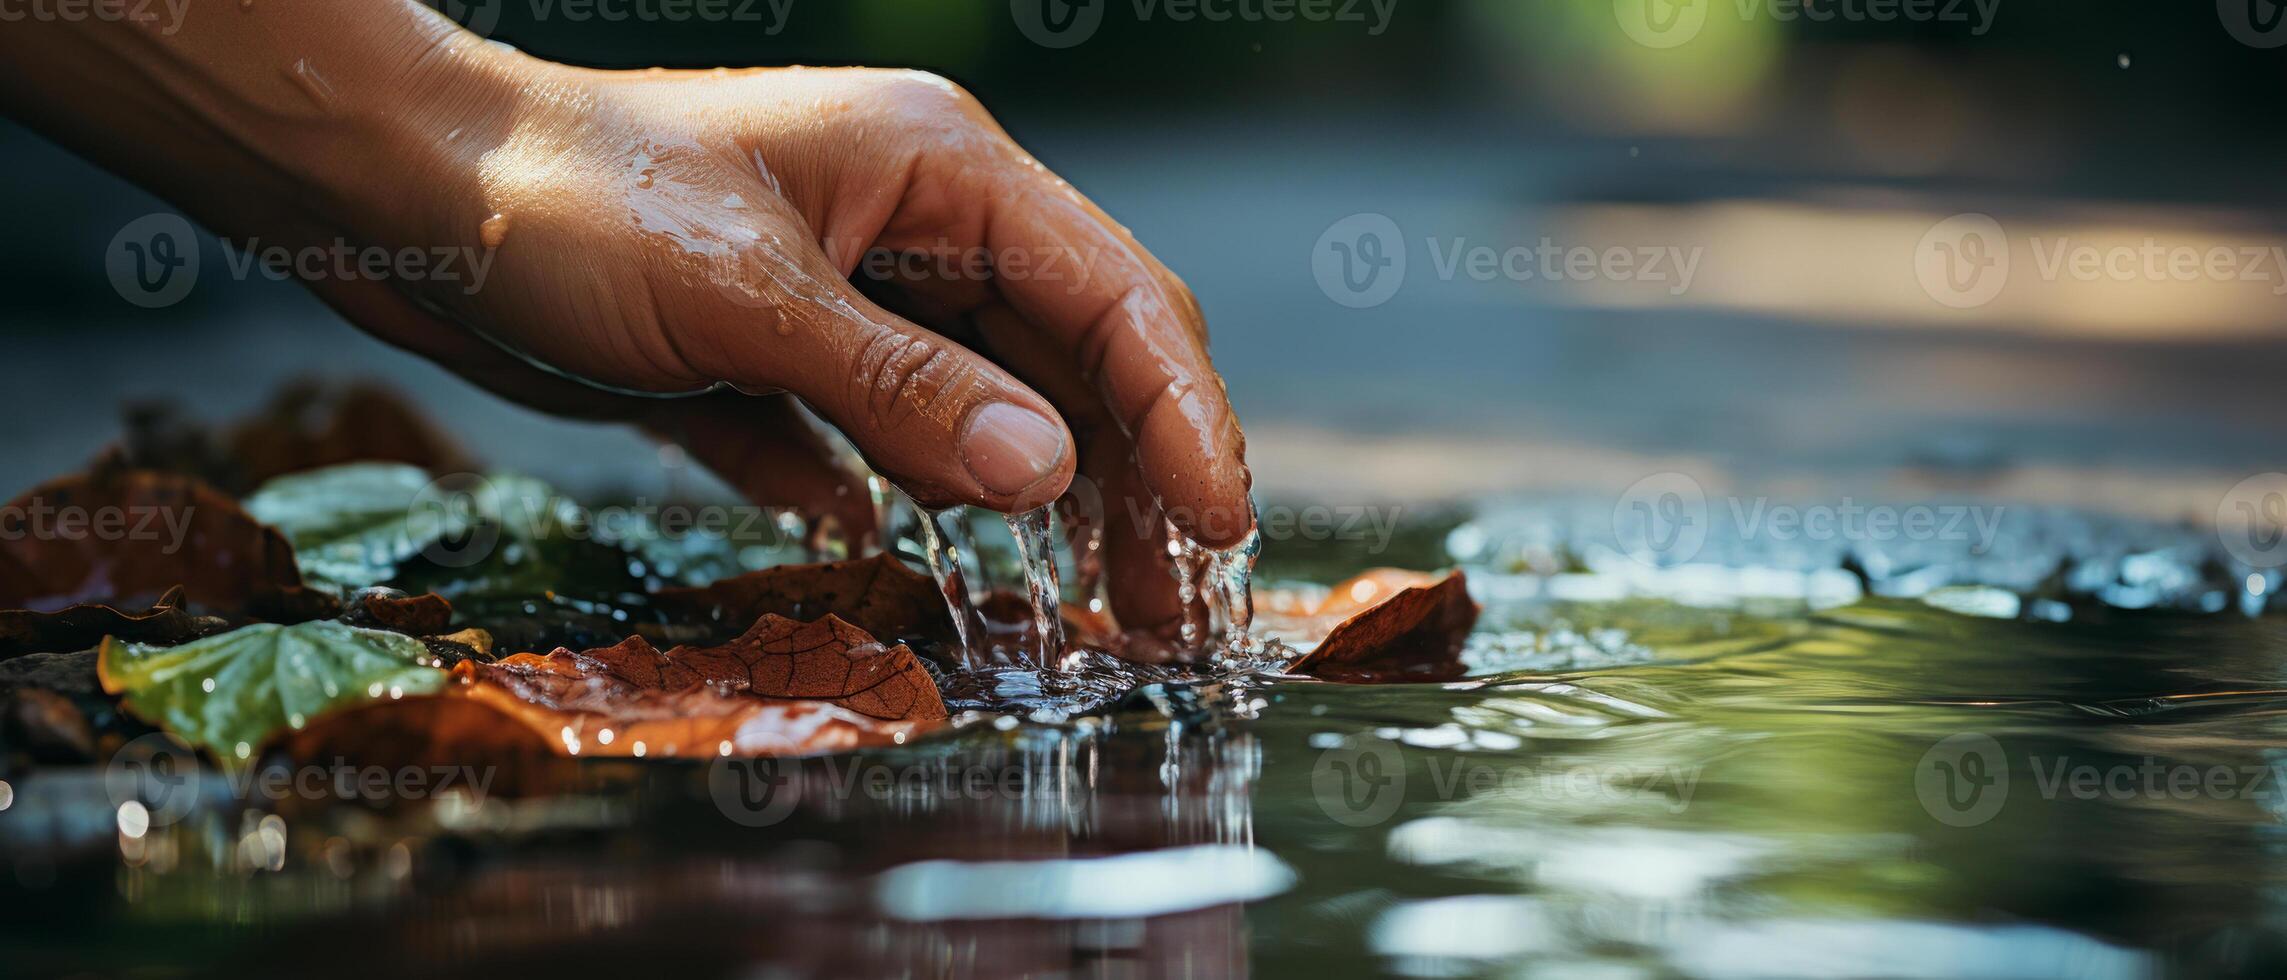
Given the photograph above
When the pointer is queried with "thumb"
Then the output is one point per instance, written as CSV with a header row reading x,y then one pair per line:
x,y
945,424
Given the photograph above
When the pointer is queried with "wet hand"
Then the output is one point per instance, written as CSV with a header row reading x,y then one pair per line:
x,y
870,242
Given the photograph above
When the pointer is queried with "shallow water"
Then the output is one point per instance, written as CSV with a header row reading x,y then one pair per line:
x,y
1719,773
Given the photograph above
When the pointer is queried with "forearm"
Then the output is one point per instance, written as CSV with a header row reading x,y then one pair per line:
x,y
315,114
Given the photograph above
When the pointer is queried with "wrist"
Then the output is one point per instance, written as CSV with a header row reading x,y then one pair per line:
x,y
400,161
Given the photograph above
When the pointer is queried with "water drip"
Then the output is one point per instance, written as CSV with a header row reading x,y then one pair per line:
x,y
1036,551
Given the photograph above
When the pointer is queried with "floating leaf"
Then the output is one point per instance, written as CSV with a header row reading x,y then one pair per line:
x,y
1381,627
126,537
828,660
231,692
485,723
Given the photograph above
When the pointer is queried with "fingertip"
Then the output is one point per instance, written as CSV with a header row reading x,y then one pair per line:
x,y
1194,460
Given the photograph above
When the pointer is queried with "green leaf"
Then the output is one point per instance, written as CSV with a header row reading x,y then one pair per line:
x,y
351,526
232,692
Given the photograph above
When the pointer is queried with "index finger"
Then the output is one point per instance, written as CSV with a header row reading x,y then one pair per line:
x,y
1135,332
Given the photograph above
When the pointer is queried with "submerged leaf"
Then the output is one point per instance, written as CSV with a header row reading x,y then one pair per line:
x,y
126,537
233,691
1384,626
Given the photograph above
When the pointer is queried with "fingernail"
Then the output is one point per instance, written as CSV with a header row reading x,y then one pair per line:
x,y
1008,449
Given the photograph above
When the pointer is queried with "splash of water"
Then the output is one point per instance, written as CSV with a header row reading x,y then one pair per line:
x,y
1216,586
1230,580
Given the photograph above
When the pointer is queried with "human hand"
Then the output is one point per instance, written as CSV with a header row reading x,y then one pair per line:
x,y
672,232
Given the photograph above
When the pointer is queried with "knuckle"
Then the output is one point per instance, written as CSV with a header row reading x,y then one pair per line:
x,y
899,378
923,96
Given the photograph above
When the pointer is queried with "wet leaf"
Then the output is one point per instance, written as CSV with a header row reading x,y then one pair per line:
x,y
427,614
481,722
1385,626
230,692
81,627
353,525
135,536
828,660
879,595
46,726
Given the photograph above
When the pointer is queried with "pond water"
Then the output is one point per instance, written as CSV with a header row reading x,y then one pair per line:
x,y
1775,764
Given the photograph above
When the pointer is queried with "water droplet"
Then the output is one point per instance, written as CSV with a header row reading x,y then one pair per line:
x,y
493,231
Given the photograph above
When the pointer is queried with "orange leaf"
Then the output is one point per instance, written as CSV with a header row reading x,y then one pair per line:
x,y
1381,627
829,660
131,536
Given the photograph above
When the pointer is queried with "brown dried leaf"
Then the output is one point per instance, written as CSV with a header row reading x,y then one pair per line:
x,y
307,425
696,722
879,595
144,534
1385,626
166,622
828,660
427,614
312,425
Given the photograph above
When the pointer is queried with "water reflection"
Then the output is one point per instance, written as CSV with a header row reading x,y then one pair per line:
x,y
1759,786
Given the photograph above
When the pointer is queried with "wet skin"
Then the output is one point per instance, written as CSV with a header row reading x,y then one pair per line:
x,y
700,234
